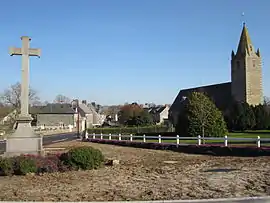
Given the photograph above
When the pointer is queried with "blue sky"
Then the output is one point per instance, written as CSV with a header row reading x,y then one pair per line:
x,y
116,51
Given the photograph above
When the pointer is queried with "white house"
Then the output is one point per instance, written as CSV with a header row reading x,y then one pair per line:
x,y
88,117
160,113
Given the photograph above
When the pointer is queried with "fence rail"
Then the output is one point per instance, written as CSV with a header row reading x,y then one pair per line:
x,y
177,138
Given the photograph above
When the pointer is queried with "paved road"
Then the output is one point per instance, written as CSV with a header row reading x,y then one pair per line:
x,y
48,139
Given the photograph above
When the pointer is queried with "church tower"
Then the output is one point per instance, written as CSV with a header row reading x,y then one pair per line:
x,y
246,72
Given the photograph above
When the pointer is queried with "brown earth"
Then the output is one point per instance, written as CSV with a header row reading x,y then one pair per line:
x,y
143,175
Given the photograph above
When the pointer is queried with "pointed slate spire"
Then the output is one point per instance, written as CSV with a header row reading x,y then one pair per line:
x,y
245,46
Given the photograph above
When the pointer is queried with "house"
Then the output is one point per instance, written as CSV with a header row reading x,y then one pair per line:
x,y
9,115
86,115
53,115
159,113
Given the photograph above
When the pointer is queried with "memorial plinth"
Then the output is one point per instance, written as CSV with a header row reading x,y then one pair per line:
x,y
24,140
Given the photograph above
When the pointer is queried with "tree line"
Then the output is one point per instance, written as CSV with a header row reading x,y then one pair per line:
x,y
242,116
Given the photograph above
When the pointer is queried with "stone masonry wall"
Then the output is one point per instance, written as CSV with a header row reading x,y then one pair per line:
x,y
55,119
254,90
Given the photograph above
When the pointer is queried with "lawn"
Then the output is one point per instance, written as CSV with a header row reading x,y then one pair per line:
x,y
248,134
145,175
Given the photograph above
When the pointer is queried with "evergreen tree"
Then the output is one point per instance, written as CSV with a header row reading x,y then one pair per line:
x,y
262,117
240,117
200,116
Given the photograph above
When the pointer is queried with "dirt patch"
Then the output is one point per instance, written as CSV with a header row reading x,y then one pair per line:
x,y
145,175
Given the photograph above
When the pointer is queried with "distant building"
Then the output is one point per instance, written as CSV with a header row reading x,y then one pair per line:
x,y
88,116
159,113
245,85
11,116
56,115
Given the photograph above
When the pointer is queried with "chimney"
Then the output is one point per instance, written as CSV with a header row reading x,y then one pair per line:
x,y
84,102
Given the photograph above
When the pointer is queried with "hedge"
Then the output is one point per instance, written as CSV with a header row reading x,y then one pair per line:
x,y
163,134
214,150
129,130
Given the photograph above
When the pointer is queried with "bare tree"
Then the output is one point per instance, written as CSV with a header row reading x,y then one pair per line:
x,y
11,98
12,95
62,99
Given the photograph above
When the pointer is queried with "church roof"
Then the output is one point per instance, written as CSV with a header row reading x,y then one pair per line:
x,y
219,93
52,109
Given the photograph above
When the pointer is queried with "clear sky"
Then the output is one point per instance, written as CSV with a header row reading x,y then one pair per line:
x,y
116,51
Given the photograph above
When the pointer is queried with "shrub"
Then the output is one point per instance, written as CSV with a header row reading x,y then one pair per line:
x,y
83,158
24,165
6,166
48,164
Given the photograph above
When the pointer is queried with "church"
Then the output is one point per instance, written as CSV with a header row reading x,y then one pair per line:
x,y
245,85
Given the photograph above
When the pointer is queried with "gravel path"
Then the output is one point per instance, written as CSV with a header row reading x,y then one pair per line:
x,y
145,175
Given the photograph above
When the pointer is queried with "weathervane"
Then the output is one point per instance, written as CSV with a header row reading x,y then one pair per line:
x,y
243,15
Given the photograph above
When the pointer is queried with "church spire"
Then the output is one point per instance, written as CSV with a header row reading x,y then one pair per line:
x,y
245,46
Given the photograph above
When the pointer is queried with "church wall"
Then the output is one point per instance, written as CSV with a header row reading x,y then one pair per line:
x,y
254,80
238,76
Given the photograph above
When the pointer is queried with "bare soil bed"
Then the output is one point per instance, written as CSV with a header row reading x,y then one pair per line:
x,y
145,175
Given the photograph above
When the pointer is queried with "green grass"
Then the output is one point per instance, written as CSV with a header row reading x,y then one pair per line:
x,y
248,134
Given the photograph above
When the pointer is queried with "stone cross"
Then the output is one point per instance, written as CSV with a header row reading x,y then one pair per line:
x,y
25,52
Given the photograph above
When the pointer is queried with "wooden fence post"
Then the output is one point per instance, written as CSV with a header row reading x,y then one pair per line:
x,y
226,141
144,140
258,141
94,136
101,136
110,136
119,136
199,140
131,137
177,139
159,138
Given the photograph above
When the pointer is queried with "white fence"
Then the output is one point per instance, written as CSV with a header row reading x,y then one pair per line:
x,y
178,139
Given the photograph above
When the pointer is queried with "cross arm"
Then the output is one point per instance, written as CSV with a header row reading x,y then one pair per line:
x,y
34,52
15,51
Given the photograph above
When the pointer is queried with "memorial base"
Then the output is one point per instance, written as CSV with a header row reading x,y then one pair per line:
x,y
24,140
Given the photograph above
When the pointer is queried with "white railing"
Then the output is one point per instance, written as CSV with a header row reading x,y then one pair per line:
x,y
177,138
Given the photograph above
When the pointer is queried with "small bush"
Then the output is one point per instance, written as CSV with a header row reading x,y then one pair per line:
x,y
6,166
24,165
83,158
48,164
